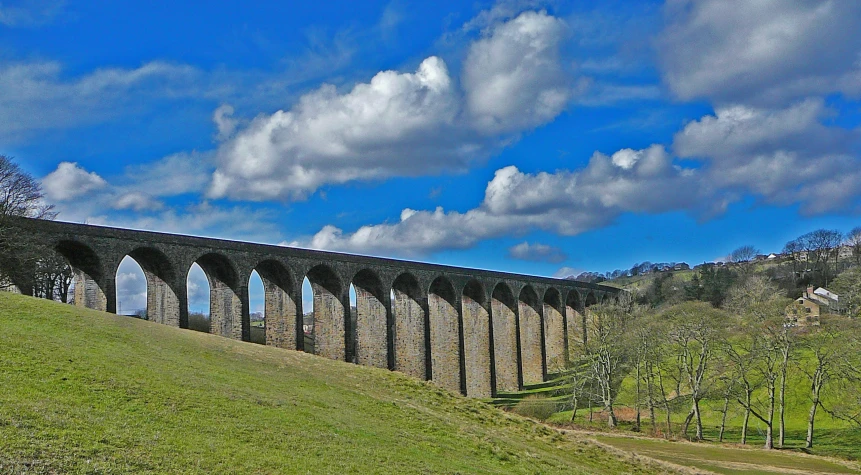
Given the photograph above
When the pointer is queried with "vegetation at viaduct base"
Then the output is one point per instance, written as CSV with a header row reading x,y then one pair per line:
x,y
90,392
21,196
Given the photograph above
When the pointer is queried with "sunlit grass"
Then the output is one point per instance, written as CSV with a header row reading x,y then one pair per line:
x,y
88,392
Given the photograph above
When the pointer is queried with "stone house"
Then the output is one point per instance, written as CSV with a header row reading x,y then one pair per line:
x,y
803,312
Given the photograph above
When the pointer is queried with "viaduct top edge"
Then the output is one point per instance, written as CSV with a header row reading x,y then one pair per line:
x,y
92,230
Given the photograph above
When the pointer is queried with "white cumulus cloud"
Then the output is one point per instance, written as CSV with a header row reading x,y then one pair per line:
x,y
536,252
70,181
397,124
763,52
224,121
565,202
513,77
778,156
401,123
137,201
783,156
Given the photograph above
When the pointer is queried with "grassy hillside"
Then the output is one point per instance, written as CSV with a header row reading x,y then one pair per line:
x,y
88,392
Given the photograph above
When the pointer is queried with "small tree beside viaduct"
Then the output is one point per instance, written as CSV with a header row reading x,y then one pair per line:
x,y
471,331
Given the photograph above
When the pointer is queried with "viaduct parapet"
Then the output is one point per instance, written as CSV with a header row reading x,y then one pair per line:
x,y
477,332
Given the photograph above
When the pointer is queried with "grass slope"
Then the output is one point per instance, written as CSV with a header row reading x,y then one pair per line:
x,y
88,392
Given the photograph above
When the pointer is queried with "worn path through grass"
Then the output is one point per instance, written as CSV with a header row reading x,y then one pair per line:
x,y
726,459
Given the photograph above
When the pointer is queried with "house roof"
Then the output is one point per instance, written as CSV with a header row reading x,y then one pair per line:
x,y
823,292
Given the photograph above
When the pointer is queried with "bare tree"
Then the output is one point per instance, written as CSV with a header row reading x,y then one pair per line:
x,y
853,240
783,338
578,379
609,353
793,250
20,196
727,382
827,345
741,355
53,276
847,285
820,245
695,328
20,193
744,254
847,407
751,291
772,345
649,340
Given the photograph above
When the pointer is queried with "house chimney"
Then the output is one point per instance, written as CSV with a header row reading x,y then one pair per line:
x,y
809,292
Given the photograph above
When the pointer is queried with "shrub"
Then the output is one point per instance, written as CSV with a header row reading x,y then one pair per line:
x,y
198,322
258,335
536,406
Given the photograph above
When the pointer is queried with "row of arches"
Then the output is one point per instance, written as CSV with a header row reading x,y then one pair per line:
x,y
466,338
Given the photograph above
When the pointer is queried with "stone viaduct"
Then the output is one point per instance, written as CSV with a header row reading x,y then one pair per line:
x,y
477,332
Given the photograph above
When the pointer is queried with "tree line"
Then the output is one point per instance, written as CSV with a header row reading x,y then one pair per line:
x,y
813,256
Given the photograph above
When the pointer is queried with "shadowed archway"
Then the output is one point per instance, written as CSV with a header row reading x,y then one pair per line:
x,y
444,335
531,337
575,320
330,318
90,284
282,328
228,305
554,332
506,349
477,348
409,332
372,320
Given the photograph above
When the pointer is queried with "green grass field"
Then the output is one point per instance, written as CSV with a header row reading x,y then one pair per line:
x,y
88,392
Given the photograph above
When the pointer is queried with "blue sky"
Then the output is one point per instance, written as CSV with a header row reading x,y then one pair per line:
x,y
537,137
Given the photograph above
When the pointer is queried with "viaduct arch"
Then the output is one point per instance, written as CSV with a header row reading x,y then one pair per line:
x,y
476,332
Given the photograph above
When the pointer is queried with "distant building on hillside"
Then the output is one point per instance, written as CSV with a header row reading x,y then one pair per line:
x,y
803,312
824,297
807,309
